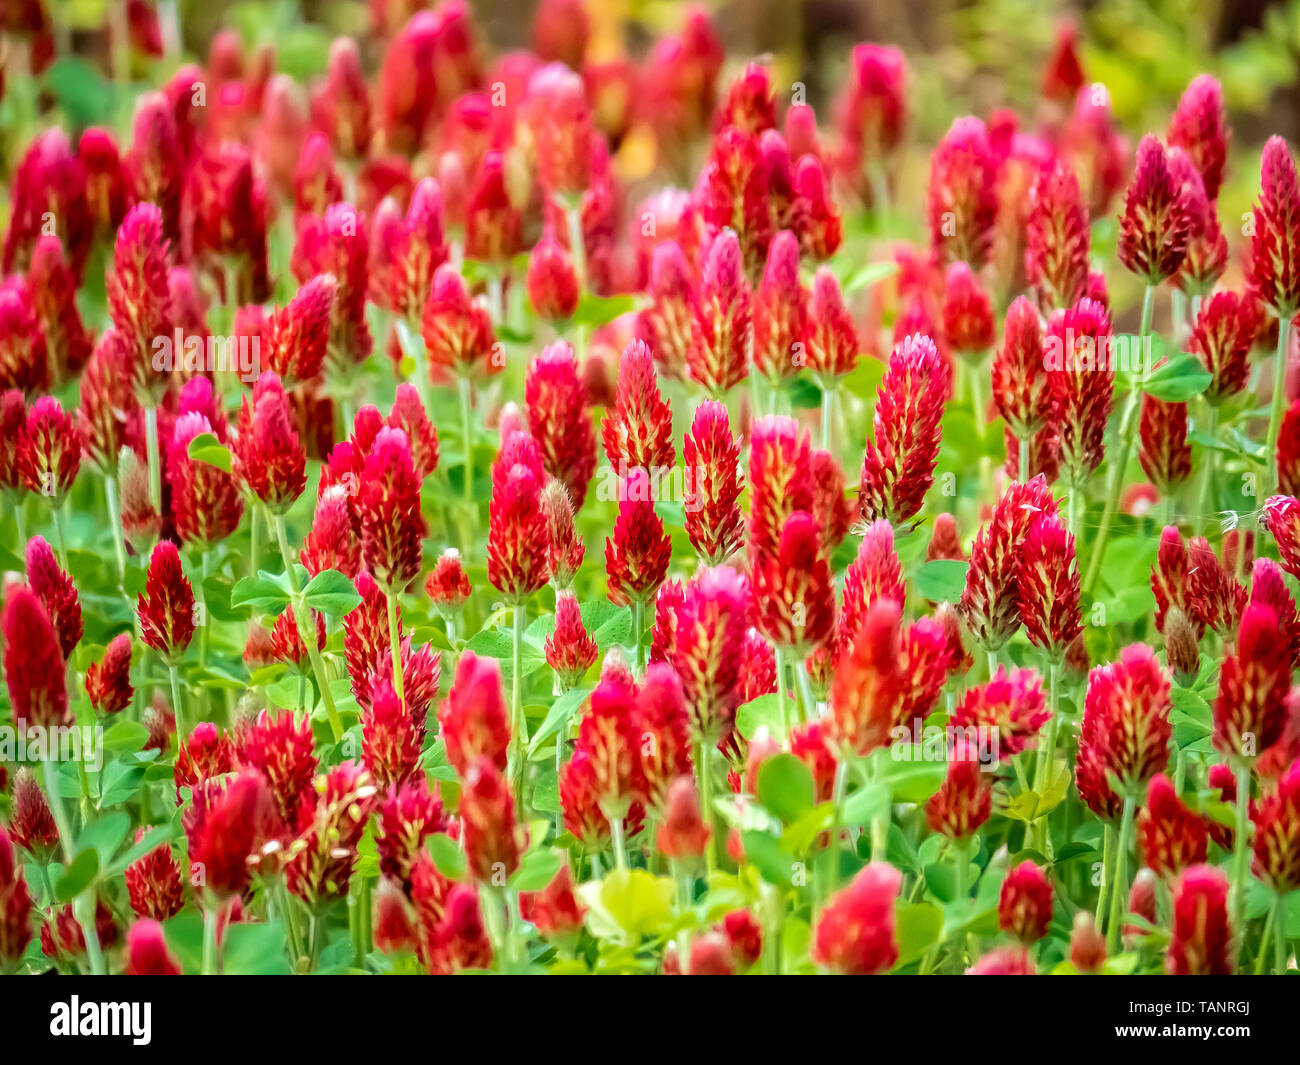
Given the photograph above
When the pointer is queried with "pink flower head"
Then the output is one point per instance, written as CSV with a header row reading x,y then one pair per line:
x,y
794,595
457,330
968,324
718,357
898,467
1155,225
638,429
1170,836
166,606
1273,268
390,739
962,204
1222,338
855,934
1250,709
710,627
780,310
552,281
830,337
388,504
1198,127
300,332
147,953
964,800
779,463
108,681
1020,385
474,718
336,243
48,452
570,650
207,504
559,419
638,554
711,454
1057,238
57,593
1201,942
1025,903
518,545
269,455
1080,376
1011,705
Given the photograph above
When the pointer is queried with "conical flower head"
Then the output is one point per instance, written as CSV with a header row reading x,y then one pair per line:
x,y
793,592
1198,127
570,650
780,311
147,953
1163,449
1020,384
269,455
779,464
1201,942
518,544
324,856
15,905
1250,709
710,627
962,202
1010,705
1207,248
638,431
1025,903
456,328
711,456
108,681
337,243
830,338
856,933
1057,238
280,746
1273,268
207,504
1047,586
227,827
153,883
487,822
964,800
300,331
876,573
552,282
1170,836
390,739
898,467
638,554
1155,225
139,296
57,593
1276,841
166,606
388,504
559,419
31,821
53,291
968,324
667,323
1081,376
718,357
24,360
48,455
1126,731
474,719
1222,338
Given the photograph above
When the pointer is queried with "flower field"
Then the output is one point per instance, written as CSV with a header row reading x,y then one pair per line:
x,y
606,500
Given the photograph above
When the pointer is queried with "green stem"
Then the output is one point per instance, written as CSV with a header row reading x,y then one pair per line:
x,y
153,456
1119,888
1107,874
808,704
1279,938
518,726
828,412
59,539
703,767
395,645
210,961
638,620
306,630
1241,849
463,384
1125,443
1266,940
85,915
577,246
177,709
837,808
1208,459
1279,393
620,846
1023,468
781,706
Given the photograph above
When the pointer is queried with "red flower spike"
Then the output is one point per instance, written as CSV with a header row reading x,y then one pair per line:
x,y
962,203
1096,149
830,338
968,324
147,953
326,850
474,719
282,749
487,822
710,628
964,800
561,30
1126,731
492,223
343,108
793,592
1201,942
1213,594
154,885
57,593
226,828
570,650
638,554
1011,706
1250,709
780,310
554,911
206,753
1222,338
711,456
1163,450
300,332
898,467
390,740
1276,841
207,504
1080,375
718,357
518,546
336,243
139,296
1057,238
448,585
1198,127
1282,516
779,460
388,504
989,602
108,681
560,124
34,668
31,822
457,330
106,180
1169,835
552,281
1025,903
1268,586
1087,944
268,453
1155,225
406,817
871,114
1064,76
331,542
1207,248
1004,961
48,453
855,934
663,640
1273,268
817,219
665,742
53,289
757,667
166,606
682,834
638,430
559,419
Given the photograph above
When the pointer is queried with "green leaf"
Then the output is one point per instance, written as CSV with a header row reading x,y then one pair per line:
x,y
596,310
249,949
207,448
153,838
774,864
629,903
105,834
941,580
786,787
77,877
537,870
447,855
125,735
763,712
557,718
121,781
868,275
919,926
1178,380
260,594
865,805
330,592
